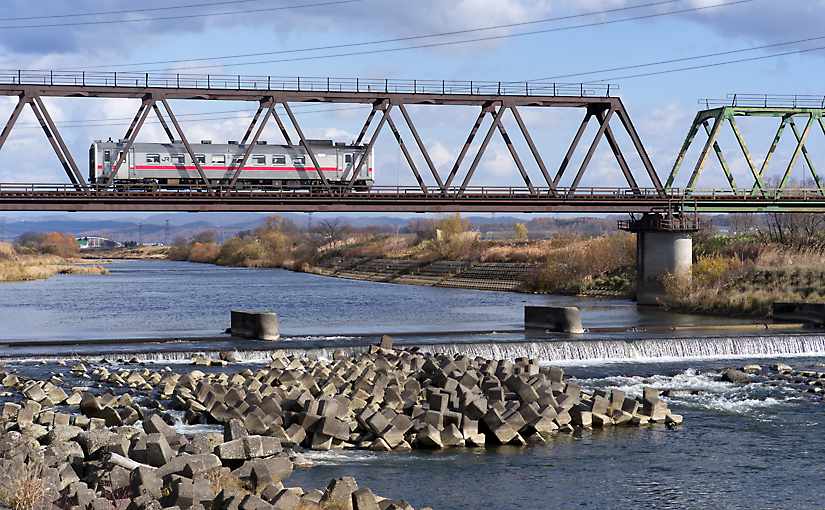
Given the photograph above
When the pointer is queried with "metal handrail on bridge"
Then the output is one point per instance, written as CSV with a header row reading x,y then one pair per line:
x,y
765,101
299,84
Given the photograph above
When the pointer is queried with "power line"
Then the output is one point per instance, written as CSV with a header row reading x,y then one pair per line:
x,y
713,64
327,3
681,59
396,39
469,41
130,11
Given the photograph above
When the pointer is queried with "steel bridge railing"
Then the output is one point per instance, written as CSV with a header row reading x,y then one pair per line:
x,y
766,101
471,192
299,84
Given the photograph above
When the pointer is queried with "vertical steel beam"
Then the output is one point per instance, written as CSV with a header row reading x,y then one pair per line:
x,y
592,150
356,169
15,114
251,145
131,134
163,122
305,144
185,143
466,147
800,145
480,153
757,179
808,161
703,156
617,152
254,122
536,155
721,157
406,153
514,154
772,149
421,147
565,162
64,155
630,129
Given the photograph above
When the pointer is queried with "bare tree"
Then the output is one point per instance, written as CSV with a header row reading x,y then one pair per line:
x,y
332,230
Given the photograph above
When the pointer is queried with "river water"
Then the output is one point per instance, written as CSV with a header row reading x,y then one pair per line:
x,y
755,447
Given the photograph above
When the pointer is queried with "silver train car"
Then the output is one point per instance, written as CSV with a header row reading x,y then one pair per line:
x,y
169,164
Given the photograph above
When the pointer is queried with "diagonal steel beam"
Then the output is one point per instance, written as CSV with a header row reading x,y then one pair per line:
x,y
254,122
356,169
65,156
305,144
592,150
282,127
421,146
757,179
466,147
368,122
406,153
50,135
772,149
630,129
15,114
565,162
185,142
677,165
808,161
703,156
131,134
721,157
163,122
481,149
800,145
514,154
251,145
617,152
536,155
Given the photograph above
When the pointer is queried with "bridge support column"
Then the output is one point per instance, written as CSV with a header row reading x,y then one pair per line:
x,y
664,253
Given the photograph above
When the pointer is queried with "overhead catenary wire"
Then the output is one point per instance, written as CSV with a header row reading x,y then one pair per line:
x,y
394,39
462,41
326,3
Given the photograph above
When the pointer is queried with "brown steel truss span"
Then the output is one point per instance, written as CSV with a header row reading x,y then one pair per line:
x,y
389,101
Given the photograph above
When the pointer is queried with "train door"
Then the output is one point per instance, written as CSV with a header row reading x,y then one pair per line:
x,y
107,162
349,161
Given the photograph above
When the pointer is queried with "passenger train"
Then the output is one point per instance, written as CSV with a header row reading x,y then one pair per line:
x,y
288,166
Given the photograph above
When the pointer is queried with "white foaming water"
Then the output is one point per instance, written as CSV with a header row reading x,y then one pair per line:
x,y
701,390
336,457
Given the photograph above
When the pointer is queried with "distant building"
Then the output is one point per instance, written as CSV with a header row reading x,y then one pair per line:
x,y
97,243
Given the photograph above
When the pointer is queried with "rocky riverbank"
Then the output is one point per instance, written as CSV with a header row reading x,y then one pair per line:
x,y
806,381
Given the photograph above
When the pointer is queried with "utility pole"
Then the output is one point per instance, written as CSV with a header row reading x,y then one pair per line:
x,y
140,234
166,233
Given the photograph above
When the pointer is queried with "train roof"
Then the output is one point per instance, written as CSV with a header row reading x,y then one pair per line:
x,y
234,144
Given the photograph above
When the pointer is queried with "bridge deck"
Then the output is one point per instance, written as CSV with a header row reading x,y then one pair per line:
x,y
61,197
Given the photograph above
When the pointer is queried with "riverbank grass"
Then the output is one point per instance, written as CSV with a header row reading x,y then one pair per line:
x,y
15,267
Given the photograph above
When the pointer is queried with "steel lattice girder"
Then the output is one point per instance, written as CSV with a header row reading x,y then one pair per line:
x,y
728,114
600,108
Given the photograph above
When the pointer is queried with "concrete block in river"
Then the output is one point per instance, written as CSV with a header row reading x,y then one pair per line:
x,y
564,319
257,325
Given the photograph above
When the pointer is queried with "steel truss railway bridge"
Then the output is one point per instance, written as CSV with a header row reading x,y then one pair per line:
x,y
389,99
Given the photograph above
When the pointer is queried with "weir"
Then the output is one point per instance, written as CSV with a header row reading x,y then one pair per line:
x,y
548,351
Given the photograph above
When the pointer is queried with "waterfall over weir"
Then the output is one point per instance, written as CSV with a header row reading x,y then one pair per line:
x,y
558,350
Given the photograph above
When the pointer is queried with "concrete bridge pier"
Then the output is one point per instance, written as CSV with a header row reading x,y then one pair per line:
x,y
664,253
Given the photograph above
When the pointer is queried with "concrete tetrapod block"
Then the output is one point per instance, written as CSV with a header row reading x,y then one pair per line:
x,y
564,319
256,325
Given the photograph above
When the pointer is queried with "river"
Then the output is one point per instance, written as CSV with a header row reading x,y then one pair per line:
x,y
758,446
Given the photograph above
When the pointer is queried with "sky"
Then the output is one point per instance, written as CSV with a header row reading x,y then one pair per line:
x,y
556,40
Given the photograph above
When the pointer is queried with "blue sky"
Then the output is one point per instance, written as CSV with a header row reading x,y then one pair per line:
x,y
662,106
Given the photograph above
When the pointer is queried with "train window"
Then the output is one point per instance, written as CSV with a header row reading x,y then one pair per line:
x,y
348,159
259,159
153,158
200,158
279,159
219,159
237,160
107,156
179,159
299,160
